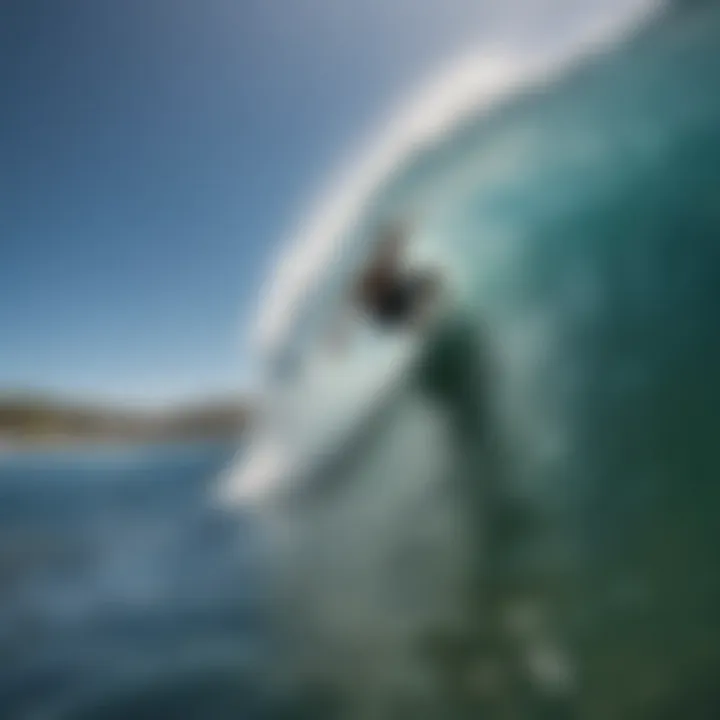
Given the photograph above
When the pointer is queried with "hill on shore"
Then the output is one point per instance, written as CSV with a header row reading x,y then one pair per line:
x,y
40,419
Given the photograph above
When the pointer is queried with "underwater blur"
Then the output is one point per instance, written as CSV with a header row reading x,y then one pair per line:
x,y
514,515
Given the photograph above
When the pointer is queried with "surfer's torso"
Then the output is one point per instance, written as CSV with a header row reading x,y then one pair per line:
x,y
391,300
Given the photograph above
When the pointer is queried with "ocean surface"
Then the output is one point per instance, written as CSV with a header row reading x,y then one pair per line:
x,y
124,590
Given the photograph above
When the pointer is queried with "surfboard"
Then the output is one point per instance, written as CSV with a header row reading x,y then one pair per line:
x,y
324,396
319,415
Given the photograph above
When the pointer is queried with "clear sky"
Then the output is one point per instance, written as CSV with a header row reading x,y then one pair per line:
x,y
154,152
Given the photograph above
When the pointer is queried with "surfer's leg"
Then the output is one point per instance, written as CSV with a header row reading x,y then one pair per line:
x,y
491,675
456,375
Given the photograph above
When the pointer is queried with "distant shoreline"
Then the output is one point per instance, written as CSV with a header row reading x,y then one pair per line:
x,y
11,451
37,423
10,445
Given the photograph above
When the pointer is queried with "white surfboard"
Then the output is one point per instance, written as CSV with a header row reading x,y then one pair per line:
x,y
325,393
316,417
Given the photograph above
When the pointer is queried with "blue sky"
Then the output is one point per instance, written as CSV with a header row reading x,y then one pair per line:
x,y
152,155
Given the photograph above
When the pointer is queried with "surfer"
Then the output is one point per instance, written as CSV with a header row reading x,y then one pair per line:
x,y
386,293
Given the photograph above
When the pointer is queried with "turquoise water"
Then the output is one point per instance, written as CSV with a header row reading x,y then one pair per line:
x,y
537,504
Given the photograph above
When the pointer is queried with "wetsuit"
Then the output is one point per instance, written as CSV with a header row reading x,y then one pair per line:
x,y
394,303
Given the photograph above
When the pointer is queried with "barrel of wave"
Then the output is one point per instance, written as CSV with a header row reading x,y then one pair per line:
x,y
584,222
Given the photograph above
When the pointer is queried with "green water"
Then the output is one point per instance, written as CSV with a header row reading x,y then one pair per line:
x,y
579,393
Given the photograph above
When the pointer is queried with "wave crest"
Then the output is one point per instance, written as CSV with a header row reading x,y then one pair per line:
x,y
464,91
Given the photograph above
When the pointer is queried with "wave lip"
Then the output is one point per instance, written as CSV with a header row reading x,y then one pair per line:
x,y
469,88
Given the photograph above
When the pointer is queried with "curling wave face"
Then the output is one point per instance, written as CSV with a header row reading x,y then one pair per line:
x,y
528,498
